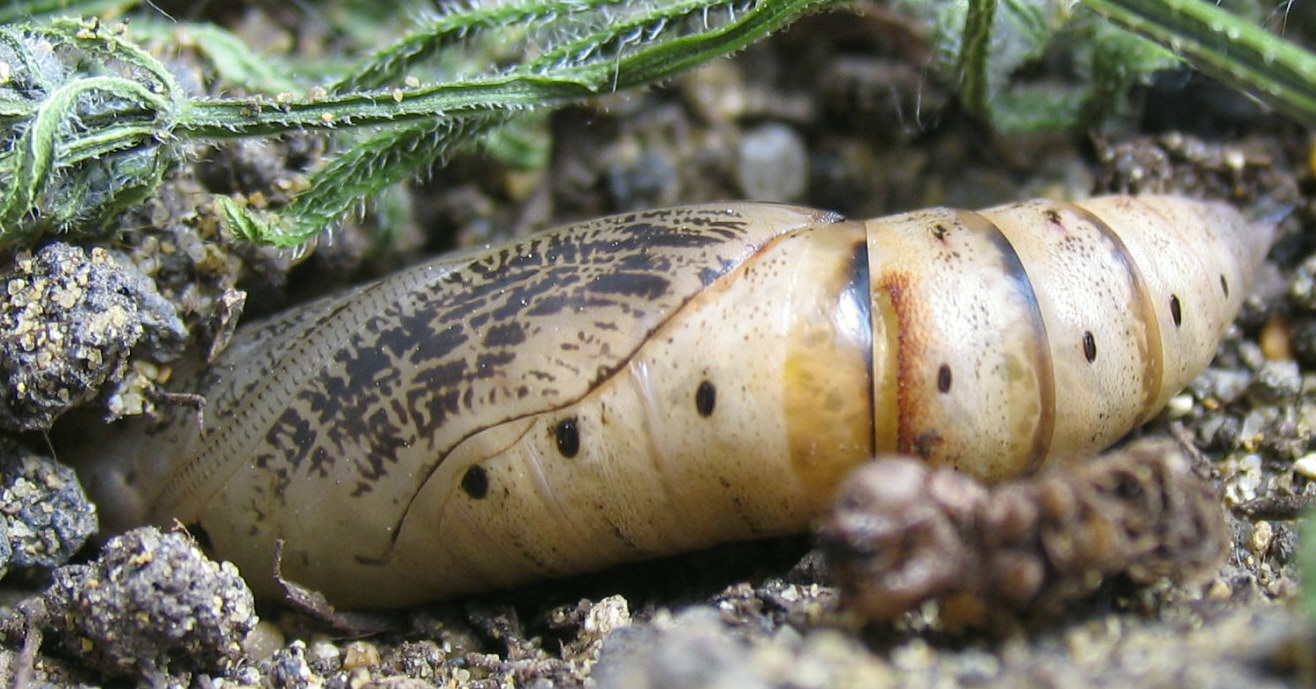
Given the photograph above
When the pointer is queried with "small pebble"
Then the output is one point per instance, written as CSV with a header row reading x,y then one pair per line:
x,y
1302,287
608,614
1277,339
1223,385
1305,466
1179,406
263,640
1262,535
1243,478
696,650
773,165
288,667
1254,425
323,651
639,176
1276,381
1251,355
360,654
913,656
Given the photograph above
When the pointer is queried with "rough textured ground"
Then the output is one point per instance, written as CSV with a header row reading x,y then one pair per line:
x,y
839,113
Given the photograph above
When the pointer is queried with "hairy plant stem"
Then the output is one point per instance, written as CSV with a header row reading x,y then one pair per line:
x,y
1228,48
428,121
90,122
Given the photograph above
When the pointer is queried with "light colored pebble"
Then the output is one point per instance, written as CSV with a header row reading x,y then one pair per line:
x,y
360,654
1262,536
261,642
322,650
773,165
1179,406
608,614
1306,466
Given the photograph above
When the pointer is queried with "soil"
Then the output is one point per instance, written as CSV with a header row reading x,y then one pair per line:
x,y
840,112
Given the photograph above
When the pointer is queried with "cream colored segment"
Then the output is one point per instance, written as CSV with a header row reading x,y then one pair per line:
x,y
1086,283
828,374
886,371
1183,248
956,307
733,471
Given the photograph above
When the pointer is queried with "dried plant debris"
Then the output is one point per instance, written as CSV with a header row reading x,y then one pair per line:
x,y
151,605
69,323
903,533
46,515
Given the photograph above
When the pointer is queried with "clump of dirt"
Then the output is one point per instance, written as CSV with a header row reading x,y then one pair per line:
x,y
70,323
151,606
45,514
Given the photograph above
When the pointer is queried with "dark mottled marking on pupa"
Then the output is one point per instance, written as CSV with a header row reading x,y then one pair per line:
x,y
488,364
643,285
294,435
269,343
508,334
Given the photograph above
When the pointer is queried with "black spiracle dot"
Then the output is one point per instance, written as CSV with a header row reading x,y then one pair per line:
x,y
1176,312
1224,286
1089,346
705,398
476,482
943,378
568,437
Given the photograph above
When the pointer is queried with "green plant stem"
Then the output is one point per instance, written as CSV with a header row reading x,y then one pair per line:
x,y
1226,47
429,121
11,12
974,55
534,85
387,66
